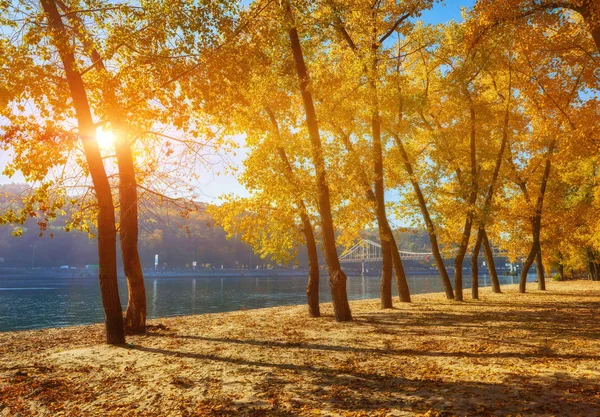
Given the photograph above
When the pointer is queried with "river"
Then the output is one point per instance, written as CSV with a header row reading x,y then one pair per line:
x,y
34,302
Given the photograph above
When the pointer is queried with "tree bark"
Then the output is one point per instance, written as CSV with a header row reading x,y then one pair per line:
x,y
537,219
561,271
489,258
337,278
385,284
135,314
481,234
384,230
539,269
590,11
464,243
107,256
475,267
312,288
527,265
435,249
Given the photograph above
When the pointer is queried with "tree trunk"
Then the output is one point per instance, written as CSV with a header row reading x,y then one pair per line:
x,y
591,15
312,289
537,219
464,243
539,269
135,315
401,283
526,266
489,258
435,249
385,284
107,245
561,271
337,278
475,266
384,230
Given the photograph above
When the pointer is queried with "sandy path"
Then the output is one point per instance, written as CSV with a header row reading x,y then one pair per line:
x,y
507,354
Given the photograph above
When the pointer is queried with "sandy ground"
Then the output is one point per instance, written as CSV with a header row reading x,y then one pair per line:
x,y
507,354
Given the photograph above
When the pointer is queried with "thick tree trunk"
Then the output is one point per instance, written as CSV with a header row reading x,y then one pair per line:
x,y
475,267
591,14
435,249
539,269
489,258
337,278
107,245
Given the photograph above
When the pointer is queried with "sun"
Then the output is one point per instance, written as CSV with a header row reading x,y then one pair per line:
x,y
105,138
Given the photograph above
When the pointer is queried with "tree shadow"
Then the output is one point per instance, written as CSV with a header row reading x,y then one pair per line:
x,y
357,390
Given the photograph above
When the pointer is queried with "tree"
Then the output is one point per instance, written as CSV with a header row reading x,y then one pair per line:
x,y
337,277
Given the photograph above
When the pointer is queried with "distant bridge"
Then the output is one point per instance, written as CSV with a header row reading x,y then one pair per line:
x,y
368,251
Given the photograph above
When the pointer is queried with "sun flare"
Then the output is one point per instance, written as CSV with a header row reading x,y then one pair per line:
x,y
105,138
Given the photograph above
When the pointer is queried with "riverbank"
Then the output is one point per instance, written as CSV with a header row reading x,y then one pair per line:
x,y
507,354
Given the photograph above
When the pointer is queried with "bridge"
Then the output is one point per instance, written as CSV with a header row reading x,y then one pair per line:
x,y
368,251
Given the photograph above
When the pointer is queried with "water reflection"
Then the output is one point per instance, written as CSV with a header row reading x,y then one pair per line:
x,y
28,302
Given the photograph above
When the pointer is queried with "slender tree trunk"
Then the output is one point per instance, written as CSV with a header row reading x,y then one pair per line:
x,y
489,258
527,265
384,238
435,249
107,245
384,230
385,284
537,218
464,243
475,266
481,234
539,269
401,283
135,315
561,271
312,289
337,278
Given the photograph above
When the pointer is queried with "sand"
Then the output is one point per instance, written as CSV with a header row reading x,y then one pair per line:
x,y
506,354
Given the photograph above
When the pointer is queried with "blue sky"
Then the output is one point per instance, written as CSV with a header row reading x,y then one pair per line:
x,y
213,186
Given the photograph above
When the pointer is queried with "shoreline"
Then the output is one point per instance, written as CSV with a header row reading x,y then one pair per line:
x,y
510,353
299,301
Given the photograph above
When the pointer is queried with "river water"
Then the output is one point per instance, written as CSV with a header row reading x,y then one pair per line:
x,y
28,302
